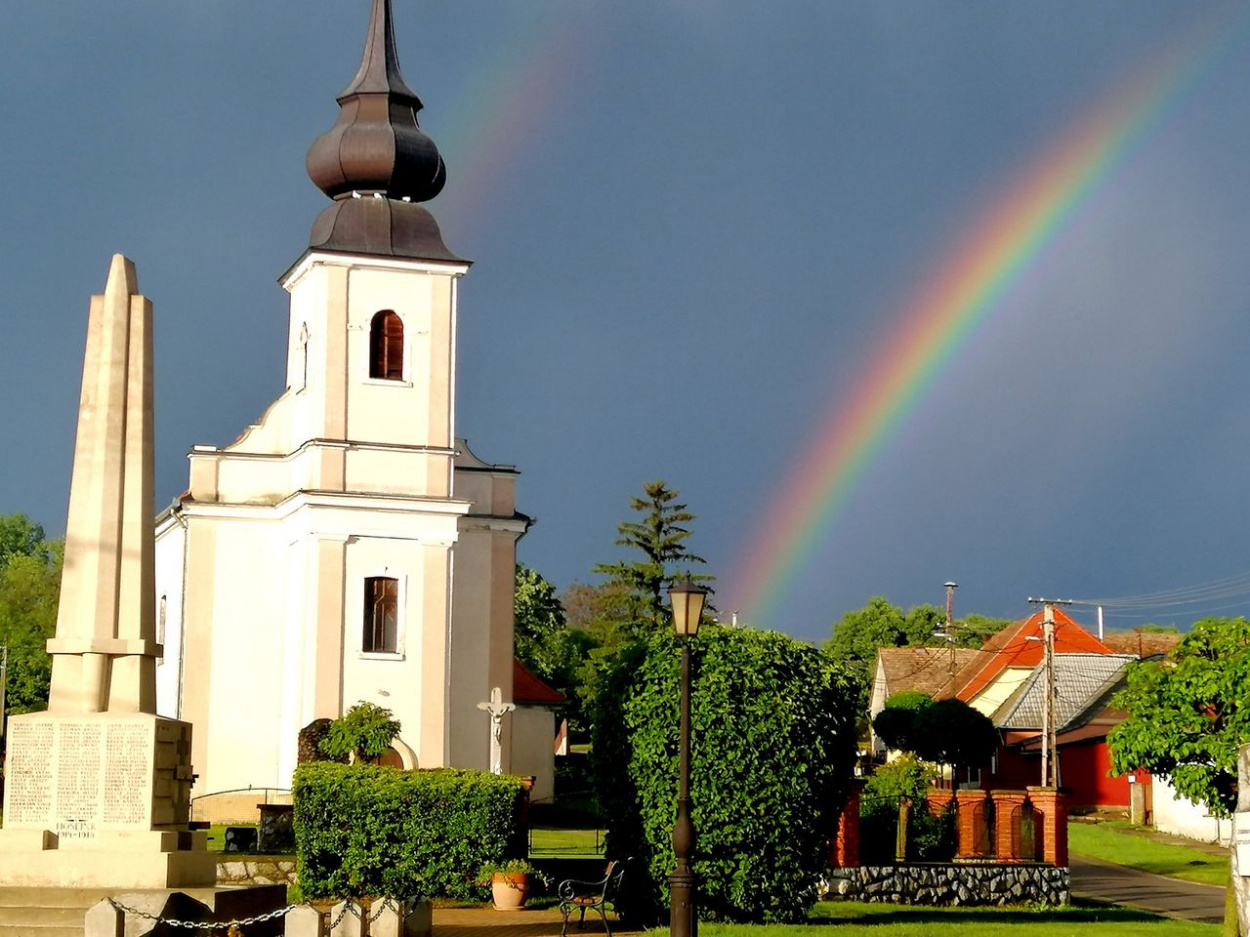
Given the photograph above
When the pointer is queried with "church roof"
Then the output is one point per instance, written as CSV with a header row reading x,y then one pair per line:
x,y
528,690
376,163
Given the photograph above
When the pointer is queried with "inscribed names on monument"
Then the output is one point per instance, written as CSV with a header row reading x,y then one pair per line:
x,y
80,775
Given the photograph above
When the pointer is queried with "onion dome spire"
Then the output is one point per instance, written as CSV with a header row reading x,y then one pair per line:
x,y
376,147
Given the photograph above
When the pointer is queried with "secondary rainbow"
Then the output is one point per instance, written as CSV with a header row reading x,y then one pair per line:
x,y
966,290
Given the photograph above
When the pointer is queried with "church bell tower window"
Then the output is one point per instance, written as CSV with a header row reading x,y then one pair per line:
x,y
381,631
386,347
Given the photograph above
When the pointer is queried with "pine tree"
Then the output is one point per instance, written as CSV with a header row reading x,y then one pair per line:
x,y
660,537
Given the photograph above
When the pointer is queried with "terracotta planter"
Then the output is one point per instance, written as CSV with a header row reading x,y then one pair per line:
x,y
509,890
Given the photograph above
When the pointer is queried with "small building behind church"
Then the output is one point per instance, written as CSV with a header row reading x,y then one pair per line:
x,y
348,546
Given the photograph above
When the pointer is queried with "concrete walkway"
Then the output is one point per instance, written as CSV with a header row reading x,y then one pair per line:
x,y
487,922
1173,897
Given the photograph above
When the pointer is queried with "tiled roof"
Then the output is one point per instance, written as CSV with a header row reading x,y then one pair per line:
x,y
1015,646
528,690
922,669
1081,681
1141,643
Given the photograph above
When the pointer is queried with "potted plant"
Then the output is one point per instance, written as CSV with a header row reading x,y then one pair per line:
x,y
510,881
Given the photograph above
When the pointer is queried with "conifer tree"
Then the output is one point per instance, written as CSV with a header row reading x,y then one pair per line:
x,y
660,537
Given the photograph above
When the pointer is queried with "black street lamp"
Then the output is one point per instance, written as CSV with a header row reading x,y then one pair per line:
x,y
687,601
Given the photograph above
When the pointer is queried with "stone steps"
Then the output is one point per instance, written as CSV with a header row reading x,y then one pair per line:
x,y
45,912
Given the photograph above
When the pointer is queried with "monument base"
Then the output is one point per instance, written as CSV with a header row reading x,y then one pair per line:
x,y
101,867
100,800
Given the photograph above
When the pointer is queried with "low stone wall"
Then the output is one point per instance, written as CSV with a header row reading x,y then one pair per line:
x,y
961,884
256,870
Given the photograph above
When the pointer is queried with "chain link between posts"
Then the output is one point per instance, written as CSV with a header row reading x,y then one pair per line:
x,y
235,928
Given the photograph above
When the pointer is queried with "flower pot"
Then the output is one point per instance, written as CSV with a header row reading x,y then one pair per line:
x,y
509,890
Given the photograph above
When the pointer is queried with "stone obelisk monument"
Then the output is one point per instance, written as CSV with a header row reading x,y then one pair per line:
x,y
97,789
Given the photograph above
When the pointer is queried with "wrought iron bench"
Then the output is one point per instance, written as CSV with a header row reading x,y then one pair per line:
x,y
591,896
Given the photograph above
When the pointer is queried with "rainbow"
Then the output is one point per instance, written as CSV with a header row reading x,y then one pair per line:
x,y
506,114
1003,245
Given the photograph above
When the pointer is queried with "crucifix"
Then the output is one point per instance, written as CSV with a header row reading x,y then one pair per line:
x,y
497,709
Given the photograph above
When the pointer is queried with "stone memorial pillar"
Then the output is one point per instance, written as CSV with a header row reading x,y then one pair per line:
x,y
98,788
1241,843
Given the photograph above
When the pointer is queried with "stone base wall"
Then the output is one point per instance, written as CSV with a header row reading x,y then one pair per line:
x,y
962,884
256,870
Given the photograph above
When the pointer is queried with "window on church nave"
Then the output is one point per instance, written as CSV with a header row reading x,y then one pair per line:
x,y
381,633
386,347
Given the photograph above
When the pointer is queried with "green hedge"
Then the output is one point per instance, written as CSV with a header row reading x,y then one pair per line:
x,y
771,760
362,830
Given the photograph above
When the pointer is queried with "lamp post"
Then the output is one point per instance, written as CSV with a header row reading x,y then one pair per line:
x,y
687,602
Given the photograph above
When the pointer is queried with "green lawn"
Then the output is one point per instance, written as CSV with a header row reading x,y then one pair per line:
x,y
558,842
1118,843
852,919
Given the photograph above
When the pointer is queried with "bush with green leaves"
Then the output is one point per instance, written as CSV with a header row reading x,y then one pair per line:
x,y
904,778
771,760
362,830
363,733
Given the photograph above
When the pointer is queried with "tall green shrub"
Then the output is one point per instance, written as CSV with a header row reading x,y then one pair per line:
x,y
771,760
362,830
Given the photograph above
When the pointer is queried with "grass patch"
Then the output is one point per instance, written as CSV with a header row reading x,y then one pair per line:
x,y
1121,844
853,919
558,842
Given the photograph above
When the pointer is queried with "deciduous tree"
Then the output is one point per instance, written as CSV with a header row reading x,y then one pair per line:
x,y
1187,714
30,589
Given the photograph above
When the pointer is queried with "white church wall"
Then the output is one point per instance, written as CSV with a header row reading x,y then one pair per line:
x,y
171,540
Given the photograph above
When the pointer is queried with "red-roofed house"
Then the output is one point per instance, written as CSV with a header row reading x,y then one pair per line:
x,y
1008,657
534,731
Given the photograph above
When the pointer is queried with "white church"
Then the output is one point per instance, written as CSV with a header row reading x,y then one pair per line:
x,y
348,546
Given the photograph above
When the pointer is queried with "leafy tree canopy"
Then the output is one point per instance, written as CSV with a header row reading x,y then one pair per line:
x,y
363,733
896,723
547,645
30,590
1187,714
772,750
660,537
950,732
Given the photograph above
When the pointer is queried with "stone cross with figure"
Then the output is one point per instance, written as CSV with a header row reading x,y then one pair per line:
x,y
497,709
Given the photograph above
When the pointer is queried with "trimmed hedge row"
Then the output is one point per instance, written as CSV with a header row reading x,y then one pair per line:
x,y
362,830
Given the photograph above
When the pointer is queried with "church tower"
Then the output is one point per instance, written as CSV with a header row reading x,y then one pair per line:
x,y
347,547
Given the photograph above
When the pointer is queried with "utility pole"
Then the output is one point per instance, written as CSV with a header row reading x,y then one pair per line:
x,y
1050,754
950,623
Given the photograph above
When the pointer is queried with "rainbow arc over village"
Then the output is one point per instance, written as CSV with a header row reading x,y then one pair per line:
x,y
968,288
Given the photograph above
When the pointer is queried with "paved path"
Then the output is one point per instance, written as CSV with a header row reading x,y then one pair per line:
x,y
487,922
1173,897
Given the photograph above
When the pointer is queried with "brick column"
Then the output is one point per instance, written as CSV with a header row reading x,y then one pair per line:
x,y
1008,806
1053,808
939,799
845,853
969,818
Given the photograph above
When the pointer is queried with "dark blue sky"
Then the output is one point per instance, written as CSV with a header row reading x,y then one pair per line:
x,y
690,222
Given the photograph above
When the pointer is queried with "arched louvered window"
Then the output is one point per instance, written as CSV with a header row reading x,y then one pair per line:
x,y
381,625
386,347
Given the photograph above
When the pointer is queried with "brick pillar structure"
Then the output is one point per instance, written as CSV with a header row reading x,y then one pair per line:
x,y
1008,805
969,823
939,799
845,853
1052,808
